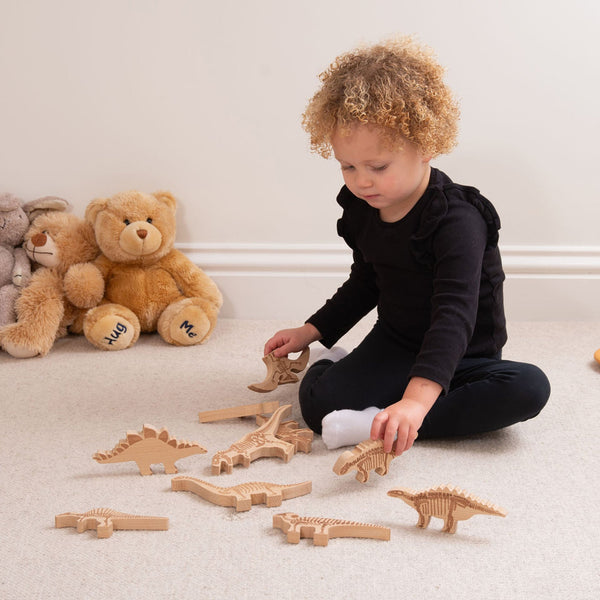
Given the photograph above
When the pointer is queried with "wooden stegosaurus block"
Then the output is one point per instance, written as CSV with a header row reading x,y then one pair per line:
x,y
446,502
321,529
149,447
243,495
105,520
259,443
365,457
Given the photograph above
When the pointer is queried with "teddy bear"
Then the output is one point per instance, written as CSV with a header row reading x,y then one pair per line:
x,y
55,242
140,281
15,268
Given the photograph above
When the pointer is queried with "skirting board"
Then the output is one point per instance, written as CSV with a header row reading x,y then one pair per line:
x,y
290,281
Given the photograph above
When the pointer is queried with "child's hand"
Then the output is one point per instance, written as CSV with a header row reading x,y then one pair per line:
x,y
292,340
403,419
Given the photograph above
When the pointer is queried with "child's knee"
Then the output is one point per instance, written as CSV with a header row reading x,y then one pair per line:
x,y
533,391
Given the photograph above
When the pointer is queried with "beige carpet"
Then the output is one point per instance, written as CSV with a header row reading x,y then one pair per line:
x,y
58,410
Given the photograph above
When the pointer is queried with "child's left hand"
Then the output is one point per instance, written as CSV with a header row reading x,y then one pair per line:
x,y
401,421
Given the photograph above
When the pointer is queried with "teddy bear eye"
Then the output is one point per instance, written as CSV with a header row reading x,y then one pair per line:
x,y
148,220
126,221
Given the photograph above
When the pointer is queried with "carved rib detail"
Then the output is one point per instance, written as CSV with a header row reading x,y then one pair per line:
x,y
259,443
446,502
364,457
105,520
321,529
243,495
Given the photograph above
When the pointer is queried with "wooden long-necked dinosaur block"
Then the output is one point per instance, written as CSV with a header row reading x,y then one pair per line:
x,y
243,495
105,520
446,502
290,431
365,457
322,529
280,371
246,410
149,447
259,443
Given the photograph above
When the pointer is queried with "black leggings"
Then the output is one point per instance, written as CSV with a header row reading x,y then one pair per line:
x,y
485,394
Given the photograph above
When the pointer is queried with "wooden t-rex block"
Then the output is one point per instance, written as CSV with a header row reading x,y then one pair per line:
x,y
280,371
243,495
321,529
290,431
365,457
149,447
446,502
105,520
259,443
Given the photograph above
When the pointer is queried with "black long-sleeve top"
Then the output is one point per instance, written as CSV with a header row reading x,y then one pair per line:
x,y
435,277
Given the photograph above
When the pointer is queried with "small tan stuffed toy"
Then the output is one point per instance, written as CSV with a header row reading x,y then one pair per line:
x,y
55,241
141,282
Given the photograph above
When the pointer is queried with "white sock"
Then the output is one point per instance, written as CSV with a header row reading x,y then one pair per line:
x,y
333,354
347,427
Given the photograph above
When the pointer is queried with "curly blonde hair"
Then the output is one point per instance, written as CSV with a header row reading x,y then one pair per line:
x,y
397,86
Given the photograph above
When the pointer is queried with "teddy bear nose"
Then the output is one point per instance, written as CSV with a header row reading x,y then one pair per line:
x,y
39,239
142,233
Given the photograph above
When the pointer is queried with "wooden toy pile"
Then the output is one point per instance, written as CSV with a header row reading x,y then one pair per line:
x,y
273,438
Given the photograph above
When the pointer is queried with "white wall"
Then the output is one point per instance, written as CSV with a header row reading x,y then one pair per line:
x,y
204,98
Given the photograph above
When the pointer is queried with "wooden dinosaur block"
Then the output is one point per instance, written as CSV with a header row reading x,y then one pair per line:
x,y
259,443
365,457
149,447
105,520
290,431
446,502
246,410
321,529
244,495
280,371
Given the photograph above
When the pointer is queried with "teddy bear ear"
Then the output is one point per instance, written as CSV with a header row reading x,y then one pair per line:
x,y
41,206
167,198
93,208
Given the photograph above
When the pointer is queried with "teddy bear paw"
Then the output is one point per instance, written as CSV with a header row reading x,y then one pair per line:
x,y
184,324
111,327
19,351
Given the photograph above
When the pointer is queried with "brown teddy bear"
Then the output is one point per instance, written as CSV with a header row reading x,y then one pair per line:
x,y
143,283
55,241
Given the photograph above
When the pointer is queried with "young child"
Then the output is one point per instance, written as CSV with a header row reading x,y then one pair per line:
x,y
425,253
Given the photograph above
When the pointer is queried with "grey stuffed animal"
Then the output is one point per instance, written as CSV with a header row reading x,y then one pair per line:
x,y
15,267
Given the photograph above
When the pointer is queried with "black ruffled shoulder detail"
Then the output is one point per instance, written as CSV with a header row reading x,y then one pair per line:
x,y
436,210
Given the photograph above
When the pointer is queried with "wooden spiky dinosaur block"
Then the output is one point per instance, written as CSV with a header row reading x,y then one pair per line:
x,y
147,447
259,443
244,495
446,502
105,520
365,457
290,431
322,529
280,371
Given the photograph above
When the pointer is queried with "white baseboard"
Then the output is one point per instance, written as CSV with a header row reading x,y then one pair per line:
x,y
290,281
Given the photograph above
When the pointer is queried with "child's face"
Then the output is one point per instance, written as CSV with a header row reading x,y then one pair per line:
x,y
391,181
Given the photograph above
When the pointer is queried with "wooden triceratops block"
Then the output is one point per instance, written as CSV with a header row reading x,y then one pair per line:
x,y
365,457
446,502
147,447
105,520
322,529
259,443
243,495
280,371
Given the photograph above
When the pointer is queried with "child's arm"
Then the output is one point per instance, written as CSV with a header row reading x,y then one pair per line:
x,y
404,418
292,340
